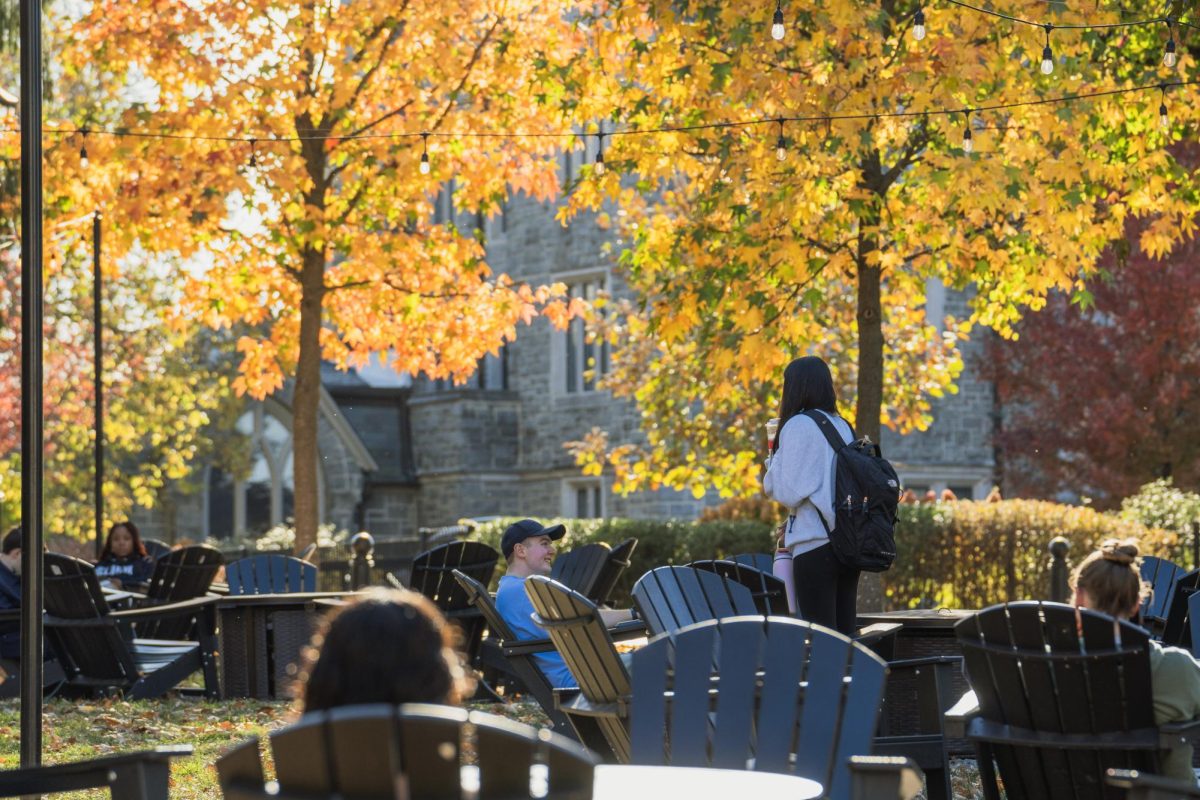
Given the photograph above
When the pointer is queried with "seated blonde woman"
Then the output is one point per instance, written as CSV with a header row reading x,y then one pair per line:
x,y
1108,581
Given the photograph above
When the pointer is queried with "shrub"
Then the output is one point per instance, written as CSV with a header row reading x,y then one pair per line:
x,y
1160,504
759,508
966,554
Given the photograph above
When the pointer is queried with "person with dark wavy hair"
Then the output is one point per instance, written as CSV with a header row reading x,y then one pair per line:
x,y
124,560
385,646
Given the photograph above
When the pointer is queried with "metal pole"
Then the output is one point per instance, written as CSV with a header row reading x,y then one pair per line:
x,y
31,382
98,379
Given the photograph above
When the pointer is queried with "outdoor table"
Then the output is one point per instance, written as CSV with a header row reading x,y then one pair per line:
x,y
623,781
260,636
925,632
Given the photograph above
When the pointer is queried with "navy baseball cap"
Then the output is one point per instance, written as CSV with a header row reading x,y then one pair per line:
x,y
525,529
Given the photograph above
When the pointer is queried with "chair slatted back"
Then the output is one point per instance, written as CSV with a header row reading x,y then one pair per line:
x,y
773,694
1161,575
364,751
669,598
769,592
270,573
619,559
72,592
1176,626
432,572
156,549
574,625
1038,667
762,562
581,568
179,575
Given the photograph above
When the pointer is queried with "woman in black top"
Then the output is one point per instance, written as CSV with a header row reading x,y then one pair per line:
x,y
123,560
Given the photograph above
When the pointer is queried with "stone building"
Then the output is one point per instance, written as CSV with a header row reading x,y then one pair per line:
x,y
398,454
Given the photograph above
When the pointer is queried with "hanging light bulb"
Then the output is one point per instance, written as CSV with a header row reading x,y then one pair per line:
x,y
1164,121
83,159
919,24
598,168
253,159
967,144
1169,57
424,154
781,144
777,22
1047,55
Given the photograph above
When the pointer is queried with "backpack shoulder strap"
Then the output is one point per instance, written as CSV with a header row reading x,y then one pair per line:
x,y
826,425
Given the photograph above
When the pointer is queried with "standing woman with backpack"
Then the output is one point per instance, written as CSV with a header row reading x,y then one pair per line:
x,y
800,474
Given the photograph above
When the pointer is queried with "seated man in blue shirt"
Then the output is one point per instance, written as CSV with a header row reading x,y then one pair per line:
x,y
529,549
10,592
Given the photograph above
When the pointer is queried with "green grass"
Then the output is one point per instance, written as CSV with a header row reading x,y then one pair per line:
x,y
77,729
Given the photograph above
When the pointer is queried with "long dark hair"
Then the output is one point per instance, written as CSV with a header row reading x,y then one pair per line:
x,y
386,646
807,384
139,549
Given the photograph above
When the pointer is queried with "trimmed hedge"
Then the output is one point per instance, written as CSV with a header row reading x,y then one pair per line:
x,y
966,554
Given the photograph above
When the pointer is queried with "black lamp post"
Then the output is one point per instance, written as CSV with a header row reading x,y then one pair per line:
x,y
31,382
98,378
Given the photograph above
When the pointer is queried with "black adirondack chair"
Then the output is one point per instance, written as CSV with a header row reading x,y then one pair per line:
x,y
770,594
96,648
502,650
366,751
669,598
1057,700
1176,627
433,576
155,548
272,573
774,694
1161,575
581,568
579,634
763,562
179,575
1144,786
879,777
618,561
143,775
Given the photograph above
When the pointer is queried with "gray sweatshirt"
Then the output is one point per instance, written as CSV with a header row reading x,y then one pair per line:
x,y
802,469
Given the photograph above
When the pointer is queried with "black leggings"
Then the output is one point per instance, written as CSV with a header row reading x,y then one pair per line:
x,y
826,590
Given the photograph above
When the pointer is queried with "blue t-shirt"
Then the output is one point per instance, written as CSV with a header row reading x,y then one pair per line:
x,y
515,607
131,569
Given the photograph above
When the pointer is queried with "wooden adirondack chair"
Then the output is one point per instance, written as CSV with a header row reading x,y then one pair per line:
x,y
579,634
272,573
1143,786
581,568
156,549
618,561
367,751
1057,700
433,576
179,575
502,650
773,694
143,775
770,594
96,648
1161,575
669,598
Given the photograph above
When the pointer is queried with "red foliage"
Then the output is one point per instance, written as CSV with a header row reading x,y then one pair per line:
x,y
1098,401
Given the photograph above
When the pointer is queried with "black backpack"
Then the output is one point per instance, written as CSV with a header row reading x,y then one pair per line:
x,y
866,492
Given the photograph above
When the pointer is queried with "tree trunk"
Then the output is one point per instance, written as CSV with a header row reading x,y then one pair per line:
x,y
306,400
870,334
306,396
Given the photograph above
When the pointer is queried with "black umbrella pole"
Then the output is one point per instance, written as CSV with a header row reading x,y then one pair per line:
x,y
31,382
98,380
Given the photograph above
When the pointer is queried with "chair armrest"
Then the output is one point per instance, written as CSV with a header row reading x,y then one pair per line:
x,y
148,770
873,777
578,704
164,610
926,661
956,719
1172,734
1151,786
630,629
524,647
880,637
